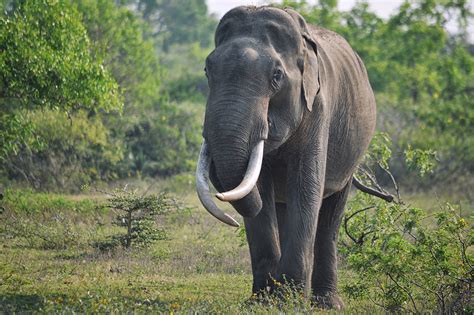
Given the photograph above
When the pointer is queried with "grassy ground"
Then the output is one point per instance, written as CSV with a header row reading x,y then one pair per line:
x,y
48,263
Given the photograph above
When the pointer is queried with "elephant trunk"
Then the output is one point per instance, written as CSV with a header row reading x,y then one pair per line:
x,y
234,134
237,176
240,192
250,178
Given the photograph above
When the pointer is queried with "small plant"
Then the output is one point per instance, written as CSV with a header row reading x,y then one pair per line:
x,y
138,215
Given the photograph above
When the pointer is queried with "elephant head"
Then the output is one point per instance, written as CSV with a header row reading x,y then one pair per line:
x,y
263,77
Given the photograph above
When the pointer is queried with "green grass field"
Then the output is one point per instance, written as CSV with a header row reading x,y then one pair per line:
x,y
48,263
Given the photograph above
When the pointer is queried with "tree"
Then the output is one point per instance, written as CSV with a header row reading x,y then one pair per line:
x,y
46,63
179,21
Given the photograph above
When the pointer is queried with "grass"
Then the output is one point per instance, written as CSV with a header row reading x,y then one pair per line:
x,y
201,266
64,280
48,263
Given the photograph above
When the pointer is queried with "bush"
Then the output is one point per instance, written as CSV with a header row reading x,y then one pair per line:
x,y
138,215
405,259
76,150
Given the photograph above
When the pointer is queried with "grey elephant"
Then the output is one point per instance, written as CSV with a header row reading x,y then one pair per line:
x,y
289,116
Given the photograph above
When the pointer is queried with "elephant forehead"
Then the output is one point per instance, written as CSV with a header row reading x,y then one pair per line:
x,y
250,54
271,26
241,52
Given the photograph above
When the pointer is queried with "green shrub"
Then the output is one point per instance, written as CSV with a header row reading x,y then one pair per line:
x,y
77,150
405,259
53,231
138,215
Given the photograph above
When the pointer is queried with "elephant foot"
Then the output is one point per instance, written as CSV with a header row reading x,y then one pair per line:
x,y
263,297
328,301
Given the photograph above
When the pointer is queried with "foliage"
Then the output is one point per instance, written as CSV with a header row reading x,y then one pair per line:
x,y
17,131
46,60
46,64
159,136
422,160
403,258
137,214
78,150
119,36
404,262
173,25
167,142
185,78
152,137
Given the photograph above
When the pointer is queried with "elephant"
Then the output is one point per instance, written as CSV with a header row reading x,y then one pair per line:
x,y
289,116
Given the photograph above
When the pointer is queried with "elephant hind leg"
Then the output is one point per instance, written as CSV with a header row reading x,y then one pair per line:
x,y
324,277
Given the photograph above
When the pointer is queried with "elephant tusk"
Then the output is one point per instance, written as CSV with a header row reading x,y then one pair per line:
x,y
250,178
202,188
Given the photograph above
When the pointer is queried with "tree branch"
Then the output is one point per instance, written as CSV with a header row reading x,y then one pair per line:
x,y
371,191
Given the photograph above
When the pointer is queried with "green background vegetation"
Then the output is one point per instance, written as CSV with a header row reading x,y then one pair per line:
x,y
103,92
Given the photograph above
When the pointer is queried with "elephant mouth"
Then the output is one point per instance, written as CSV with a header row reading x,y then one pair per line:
x,y
243,189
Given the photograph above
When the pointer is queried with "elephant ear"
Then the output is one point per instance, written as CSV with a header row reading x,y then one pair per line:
x,y
308,63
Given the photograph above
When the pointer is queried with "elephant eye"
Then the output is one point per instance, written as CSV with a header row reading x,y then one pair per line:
x,y
277,77
205,71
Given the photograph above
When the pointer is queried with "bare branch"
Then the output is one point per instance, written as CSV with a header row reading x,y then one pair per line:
x,y
346,220
394,182
371,191
404,289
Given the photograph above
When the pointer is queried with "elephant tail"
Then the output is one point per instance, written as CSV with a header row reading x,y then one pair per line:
x,y
371,191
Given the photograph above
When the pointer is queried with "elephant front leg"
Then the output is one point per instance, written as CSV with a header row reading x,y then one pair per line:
x,y
304,195
262,236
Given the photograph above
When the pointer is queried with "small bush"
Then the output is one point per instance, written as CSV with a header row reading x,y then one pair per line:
x,y
138,215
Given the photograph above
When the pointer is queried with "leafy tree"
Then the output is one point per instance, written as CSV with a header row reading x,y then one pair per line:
x,y
118,35
46,63
179,21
